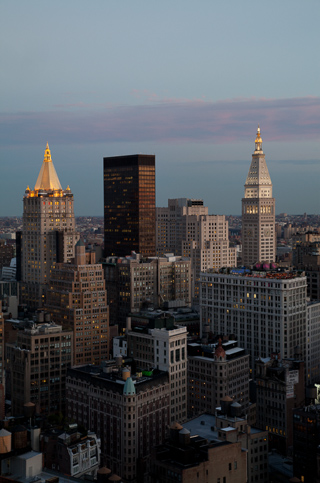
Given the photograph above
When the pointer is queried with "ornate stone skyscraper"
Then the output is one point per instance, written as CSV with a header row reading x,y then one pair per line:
x,y
48,234
258,211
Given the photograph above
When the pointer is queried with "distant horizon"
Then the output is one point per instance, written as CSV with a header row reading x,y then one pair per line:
x,y
220,214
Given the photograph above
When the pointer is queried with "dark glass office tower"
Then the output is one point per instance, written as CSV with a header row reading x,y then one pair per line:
x,y
129,205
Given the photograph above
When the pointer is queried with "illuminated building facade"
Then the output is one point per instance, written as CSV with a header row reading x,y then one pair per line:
x,y
266,311
258,211
185,228
129,205
77,299
38,363
48,234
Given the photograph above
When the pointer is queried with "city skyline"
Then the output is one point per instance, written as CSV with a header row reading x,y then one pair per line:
x,y
187,84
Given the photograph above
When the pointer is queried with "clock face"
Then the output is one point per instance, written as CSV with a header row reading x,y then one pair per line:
x,y
267,232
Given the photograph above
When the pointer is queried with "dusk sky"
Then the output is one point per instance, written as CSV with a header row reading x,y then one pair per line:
x,y
187,81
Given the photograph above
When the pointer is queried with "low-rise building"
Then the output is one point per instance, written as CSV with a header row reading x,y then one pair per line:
x,y
70,452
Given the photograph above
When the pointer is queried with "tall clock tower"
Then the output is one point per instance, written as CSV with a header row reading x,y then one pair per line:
x,y
258,211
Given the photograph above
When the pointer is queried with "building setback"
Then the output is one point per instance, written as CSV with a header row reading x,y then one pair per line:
x,y
258,212
48,234
265,310
129,414
77,299
129,205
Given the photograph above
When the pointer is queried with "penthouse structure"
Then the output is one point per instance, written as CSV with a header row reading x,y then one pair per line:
x,y
129,413
163,345
77,299
215,372
38,364
133,282
185,228
265,310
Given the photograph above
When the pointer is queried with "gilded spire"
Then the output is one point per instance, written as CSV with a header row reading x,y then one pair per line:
x,y
47,154
258,141
48,179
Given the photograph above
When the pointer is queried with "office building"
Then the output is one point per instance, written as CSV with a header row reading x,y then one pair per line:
x,y
129,205
38,363
258,212
129,413
194,453
265,310
163,345
280,388
216,371
77,299
2,360
48,234
6,254
306,443
133,282
186,229
313,343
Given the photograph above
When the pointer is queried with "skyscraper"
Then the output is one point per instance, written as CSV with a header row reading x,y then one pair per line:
x,y
185,228
77,299
258,211
129,205
48,233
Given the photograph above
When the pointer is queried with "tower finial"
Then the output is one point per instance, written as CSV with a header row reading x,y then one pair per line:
x,y
258,141
47,154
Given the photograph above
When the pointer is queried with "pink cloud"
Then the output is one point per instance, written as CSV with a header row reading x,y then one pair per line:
x,y
168,120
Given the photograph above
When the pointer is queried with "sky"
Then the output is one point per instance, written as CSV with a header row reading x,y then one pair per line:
x,y
187,81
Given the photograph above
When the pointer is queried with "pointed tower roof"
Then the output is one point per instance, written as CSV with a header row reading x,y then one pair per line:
x,y
129,388
48,179
258,173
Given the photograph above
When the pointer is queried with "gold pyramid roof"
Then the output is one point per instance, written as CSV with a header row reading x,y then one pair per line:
x,y
48,179
258,173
